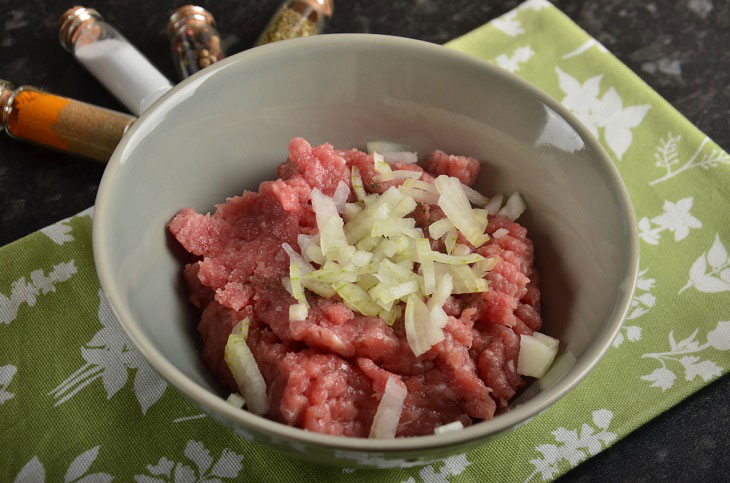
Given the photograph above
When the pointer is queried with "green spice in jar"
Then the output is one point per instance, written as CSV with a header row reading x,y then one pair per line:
x,y
296,18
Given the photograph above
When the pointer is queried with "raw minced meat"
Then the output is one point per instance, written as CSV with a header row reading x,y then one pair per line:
x,y
327,373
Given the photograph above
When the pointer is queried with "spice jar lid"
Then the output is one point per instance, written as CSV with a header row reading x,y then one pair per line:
x,y
71,22
325,7
188,14
6,92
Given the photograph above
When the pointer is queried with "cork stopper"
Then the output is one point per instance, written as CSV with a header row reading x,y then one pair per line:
x,y
324,7
6,92
188,14
71,23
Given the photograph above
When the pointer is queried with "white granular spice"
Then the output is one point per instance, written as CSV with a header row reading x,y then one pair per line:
x,y
125,72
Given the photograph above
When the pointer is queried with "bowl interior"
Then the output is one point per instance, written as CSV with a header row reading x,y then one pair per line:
x,y
226,129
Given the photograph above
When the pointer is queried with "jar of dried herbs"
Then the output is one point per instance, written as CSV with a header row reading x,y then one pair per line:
x,y
194,40
297,18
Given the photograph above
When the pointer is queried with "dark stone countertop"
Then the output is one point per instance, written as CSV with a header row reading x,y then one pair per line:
x,y
680,48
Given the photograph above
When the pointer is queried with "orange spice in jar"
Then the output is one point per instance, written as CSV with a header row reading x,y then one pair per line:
x,y
61,123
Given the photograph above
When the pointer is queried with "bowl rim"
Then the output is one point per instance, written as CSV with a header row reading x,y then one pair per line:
x,y
217,405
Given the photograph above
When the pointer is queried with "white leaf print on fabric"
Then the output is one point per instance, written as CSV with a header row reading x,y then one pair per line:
x,y
633,334
679,354
203,468
509,24
33,471
676,219
573,446
519,56
710,273
667,157
452,466
534,5
607,113
6,377
59,232
109,355
584,47
22,292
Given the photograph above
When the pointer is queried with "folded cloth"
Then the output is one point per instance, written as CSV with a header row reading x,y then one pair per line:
x,y
77,400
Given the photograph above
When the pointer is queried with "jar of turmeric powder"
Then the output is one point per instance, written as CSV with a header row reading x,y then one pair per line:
x,y
61,123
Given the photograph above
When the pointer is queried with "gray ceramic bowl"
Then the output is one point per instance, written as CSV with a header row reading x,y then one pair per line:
x,y
225,130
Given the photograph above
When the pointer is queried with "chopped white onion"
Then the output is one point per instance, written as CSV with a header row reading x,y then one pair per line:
x,y
439,228
387,416
235,400
241,328
397,174
494,204
421,332
537,352
246,373
405,157
446,428
474,196
499,233
298,312
357,185
455,204
514,207
340,196
331,233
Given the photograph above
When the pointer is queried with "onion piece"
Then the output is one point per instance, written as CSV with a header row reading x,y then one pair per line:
x,y
514,207
421,332
241,328
246,373
397,174
446,428
455,204
474,196
450,240
298,312
456,259
499,233
331,227
439,228
537,352
420,195
387,416
235,400
357,185
421,185
310,249
495,203
405,157
435,304
340,196
425,258
356,298
381,167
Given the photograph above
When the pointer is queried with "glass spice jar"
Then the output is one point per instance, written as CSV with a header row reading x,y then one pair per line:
x,y
194,40
111,58
61,123
296,18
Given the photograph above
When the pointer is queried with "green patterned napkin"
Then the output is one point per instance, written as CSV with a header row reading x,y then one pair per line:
x,y
77,402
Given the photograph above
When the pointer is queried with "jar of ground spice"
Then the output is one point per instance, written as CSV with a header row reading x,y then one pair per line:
x,y
194,40
61,123
296,18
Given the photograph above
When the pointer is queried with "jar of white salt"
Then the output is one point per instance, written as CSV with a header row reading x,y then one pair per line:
x,y
111,58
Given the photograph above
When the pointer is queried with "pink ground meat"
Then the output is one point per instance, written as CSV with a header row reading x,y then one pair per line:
x,y
328,373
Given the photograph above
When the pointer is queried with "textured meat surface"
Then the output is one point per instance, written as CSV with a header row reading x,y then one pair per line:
x,y
328,372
